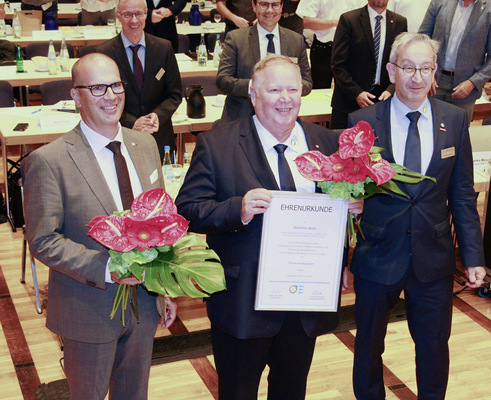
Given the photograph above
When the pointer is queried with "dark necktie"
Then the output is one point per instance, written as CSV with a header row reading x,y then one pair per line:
x,y
412,154
376,43
124,182
270,48
286,177
137,67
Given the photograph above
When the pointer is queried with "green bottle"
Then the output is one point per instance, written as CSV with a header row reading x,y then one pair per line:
x,y
19,60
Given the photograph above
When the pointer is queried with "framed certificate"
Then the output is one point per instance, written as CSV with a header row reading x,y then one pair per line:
x,y
301,254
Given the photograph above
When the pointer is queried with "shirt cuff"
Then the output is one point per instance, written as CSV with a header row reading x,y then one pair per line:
x,y
108,278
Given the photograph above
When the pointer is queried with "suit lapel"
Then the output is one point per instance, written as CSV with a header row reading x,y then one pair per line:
x,y
475,15
254,43
367,28
451,7
382,130
389,34
124,66
440,129
84,159
137,154
253,151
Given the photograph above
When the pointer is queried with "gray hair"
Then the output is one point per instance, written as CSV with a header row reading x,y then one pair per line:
x,y
273,59
123,1
406,38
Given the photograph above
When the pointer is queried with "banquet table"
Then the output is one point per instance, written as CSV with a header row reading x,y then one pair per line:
x,y
65,10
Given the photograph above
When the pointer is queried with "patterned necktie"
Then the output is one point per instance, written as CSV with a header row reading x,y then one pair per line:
x,y
412,154
124,182
286,177
376,44
270,48
137,67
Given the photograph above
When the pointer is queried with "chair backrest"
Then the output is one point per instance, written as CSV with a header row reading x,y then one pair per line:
x,y
6,94
208,82
41,49
487,120
183,43
54,91
88,48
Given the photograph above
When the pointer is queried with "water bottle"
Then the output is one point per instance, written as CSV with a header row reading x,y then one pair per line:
x,y
52,58
19,60
202,54
16,26
185,166
167,166
64,56
3,32
217,52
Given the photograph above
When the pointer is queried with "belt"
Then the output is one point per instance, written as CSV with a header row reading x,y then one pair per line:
x,y
286,15
448,73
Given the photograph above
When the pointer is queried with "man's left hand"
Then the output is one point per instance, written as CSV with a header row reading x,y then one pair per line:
x,y
463,89
167,309
475,275
355,206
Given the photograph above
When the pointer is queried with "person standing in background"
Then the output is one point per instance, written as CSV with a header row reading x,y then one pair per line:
x,y
97,12
237,14
45,6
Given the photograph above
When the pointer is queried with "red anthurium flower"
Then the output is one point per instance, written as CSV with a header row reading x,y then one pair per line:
x,y
152,203
94,221
381,172
172,228
111,231
143,234
338,169
311,165
357,141
357,170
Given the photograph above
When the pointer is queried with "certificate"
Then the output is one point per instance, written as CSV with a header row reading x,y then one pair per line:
x,y
301,254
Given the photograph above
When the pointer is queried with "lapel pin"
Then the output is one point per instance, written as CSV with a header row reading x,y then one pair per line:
x,y
294,141
442,127
133,143
316,146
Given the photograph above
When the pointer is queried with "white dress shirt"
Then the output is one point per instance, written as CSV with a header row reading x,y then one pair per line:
x,y
399,125
129,53
263,40
297,145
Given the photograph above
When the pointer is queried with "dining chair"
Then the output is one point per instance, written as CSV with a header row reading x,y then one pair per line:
x,y
6,94
41,49
88,48
54,91
184,43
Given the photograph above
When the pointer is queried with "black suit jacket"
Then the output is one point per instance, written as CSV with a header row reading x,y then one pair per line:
x,y
353,56
166,28
161,92
400,232
227,163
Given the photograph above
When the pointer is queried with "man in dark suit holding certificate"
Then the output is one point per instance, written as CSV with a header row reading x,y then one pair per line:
x,y
408,242
226,191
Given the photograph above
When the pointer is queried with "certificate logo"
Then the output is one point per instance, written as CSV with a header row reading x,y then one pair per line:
x,y
293,289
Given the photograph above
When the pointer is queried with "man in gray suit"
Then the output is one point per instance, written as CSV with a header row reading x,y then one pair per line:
x,y
463,29
245,47
66,184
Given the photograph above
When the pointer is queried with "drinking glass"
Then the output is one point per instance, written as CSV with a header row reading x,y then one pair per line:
x,y
217,18
111,24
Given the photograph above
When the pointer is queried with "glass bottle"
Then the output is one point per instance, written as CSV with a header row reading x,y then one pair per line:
x,y
217,52
52,58
202,54
17,31
64,56
167,166
185,166
3,32
19,60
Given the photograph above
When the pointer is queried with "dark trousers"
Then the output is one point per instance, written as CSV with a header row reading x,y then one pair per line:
x,y
320,61
429,317
240,362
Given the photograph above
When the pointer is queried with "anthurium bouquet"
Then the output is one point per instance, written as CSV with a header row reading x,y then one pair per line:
x,y
150,242
357,170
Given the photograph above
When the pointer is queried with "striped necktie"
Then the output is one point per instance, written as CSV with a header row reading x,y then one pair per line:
x,y
376,43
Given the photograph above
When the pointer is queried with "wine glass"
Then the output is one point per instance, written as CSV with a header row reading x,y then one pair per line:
x,y
217,18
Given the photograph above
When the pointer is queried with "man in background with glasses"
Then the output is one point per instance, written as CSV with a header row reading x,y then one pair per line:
x,y
407,244
149,66
66,184
245,47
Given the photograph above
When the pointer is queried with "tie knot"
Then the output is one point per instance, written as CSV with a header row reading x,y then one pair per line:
x,y
135,48
280,148
115,147
270,36
413,116
378,18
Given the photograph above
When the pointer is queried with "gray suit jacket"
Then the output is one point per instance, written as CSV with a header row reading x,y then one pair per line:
x,y
476,42
64,188
240,53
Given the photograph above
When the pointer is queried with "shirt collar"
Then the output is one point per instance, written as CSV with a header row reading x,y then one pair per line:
x,y
268,141
401,109
97,141
461,3
263,32
127,42
374,13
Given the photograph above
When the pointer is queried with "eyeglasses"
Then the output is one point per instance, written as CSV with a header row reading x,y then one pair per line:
x,y
410,70
265,5
100,89
130,15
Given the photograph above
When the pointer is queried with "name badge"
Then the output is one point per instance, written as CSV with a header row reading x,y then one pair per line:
x,y
450,152
154,176
160,74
